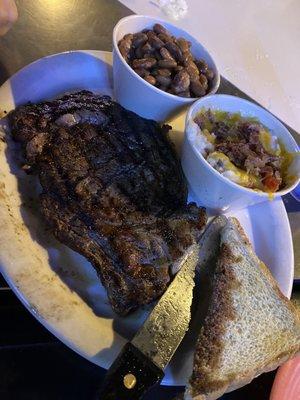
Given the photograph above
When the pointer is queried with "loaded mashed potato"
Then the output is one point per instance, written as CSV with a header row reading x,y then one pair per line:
x,y
241,149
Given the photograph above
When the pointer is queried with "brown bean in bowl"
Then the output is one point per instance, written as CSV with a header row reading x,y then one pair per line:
x,y
166,62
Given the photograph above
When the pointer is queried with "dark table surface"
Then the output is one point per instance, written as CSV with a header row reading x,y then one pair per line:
x,y
34,365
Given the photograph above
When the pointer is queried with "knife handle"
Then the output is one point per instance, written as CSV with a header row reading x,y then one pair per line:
x,y
130,376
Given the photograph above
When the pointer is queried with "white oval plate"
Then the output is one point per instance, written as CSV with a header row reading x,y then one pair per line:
x,y
58,286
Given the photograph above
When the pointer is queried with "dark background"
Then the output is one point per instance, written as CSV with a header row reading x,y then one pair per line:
x,y
34,365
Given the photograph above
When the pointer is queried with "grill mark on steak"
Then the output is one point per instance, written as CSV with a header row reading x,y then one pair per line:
x,y
113,190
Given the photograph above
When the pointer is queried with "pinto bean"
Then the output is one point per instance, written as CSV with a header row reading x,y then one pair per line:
x,y
202,66
183,44
181,82
193,71
203,81
164,37
187,58
144,63
178,68
166,55
142,72
197,89
186,93
147,48
150,79
148,55
155,42
138,53
164,72
139,39
167,63
210,74
174,50
158,28
164,80
124,47
128,36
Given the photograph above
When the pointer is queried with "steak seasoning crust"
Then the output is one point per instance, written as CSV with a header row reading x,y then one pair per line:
x,y
113,190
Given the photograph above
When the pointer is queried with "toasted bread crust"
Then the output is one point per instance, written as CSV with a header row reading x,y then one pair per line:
x,y
242,233
209,345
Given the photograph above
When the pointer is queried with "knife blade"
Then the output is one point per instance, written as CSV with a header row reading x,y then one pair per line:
x,y
141,363
163,331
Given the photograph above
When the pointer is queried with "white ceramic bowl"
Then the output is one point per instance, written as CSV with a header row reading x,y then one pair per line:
x,y
133,92
214,190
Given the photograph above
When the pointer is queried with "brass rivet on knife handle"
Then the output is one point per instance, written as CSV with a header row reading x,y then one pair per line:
x,y
129,381
130,376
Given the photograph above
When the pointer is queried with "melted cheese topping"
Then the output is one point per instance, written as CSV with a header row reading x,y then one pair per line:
x,y
269,142
222,164
211,138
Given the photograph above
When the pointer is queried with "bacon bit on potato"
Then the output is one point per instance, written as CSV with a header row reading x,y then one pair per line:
x,y
271,183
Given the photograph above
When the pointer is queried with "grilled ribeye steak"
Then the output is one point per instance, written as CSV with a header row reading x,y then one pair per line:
x,y
113,190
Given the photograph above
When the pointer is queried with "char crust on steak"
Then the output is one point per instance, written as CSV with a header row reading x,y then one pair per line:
x,y
113,190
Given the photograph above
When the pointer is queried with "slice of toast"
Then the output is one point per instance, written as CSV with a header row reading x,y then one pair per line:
x,y
250,327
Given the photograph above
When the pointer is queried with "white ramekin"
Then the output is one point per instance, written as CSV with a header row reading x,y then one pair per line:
x,y
133,92
215,191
